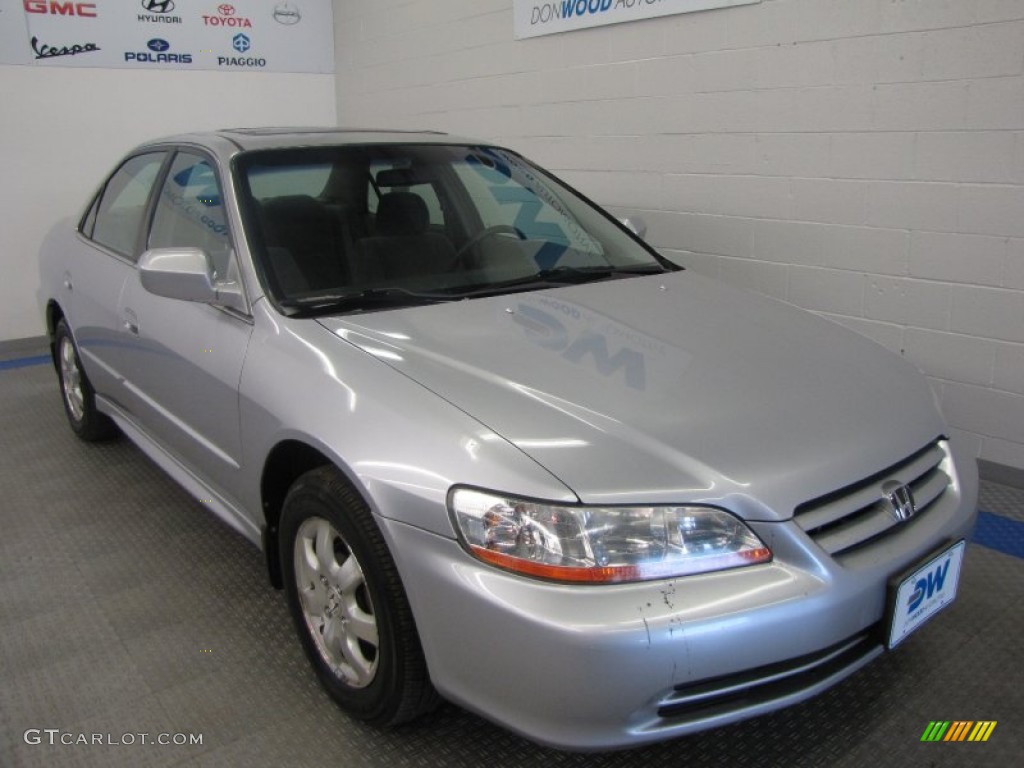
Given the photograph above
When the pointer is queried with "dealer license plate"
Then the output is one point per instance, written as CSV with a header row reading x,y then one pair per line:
x,y
924,592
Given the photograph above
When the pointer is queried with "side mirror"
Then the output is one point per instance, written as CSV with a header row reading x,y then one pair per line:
x,y
186,274
636,225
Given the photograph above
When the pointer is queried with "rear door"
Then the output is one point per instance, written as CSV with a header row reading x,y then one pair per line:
x,y
96,276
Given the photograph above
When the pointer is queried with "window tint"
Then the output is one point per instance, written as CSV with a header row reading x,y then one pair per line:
x,y
190,211
123,203
269,183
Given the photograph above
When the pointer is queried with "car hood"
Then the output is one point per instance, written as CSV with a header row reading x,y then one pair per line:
x,y
664,389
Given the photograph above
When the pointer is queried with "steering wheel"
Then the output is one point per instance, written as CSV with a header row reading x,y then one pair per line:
x,y
483,234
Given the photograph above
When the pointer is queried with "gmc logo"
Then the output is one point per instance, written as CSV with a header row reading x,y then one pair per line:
x,y
88,10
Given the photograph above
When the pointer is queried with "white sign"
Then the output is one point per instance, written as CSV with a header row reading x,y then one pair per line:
x,y
13,33
243,35
548,17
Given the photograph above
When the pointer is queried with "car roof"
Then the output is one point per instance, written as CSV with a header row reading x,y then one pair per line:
x,y
246,139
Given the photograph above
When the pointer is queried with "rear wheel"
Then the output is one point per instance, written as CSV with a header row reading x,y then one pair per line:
x,y
76,391
348,602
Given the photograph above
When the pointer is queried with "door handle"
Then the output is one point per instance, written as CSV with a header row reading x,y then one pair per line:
x,y
131,322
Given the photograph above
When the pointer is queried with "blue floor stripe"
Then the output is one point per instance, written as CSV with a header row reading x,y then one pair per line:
x,y
1002,534
23,362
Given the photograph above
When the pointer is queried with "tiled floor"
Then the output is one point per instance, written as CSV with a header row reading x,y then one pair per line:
x,y
125,609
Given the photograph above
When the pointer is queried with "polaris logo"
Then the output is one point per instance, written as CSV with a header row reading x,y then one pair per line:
x,y
158,54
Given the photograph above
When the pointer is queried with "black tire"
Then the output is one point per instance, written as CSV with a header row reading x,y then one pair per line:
x,y
76,392
383,683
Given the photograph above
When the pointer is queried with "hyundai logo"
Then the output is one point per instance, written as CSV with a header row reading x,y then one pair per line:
x,y
157,45
158,6
287,13
899,500
241,43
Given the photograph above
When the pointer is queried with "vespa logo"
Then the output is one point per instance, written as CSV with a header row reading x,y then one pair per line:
x,y
899,500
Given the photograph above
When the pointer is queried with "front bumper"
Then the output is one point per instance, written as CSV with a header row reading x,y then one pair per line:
x,y
603,667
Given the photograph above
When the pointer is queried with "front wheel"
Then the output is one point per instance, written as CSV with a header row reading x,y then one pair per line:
x,y
348,602
76,391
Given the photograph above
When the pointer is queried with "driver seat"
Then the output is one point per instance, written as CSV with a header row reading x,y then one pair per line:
x,y
402,247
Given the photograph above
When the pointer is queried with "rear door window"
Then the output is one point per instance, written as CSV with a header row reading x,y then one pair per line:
x,y
117,219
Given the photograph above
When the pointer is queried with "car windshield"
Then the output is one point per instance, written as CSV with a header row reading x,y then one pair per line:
x,y
360,228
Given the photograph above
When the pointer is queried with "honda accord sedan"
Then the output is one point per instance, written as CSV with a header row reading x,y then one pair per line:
x,y
493,446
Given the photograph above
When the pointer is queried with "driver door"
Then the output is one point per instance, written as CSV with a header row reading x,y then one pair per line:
x,y
187,356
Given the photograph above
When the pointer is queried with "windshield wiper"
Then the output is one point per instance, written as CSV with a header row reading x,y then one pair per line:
x,y
559,276
359,301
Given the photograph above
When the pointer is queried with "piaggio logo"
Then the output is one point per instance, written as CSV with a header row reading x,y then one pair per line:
x,y
55,8
958,730
227,17
242,44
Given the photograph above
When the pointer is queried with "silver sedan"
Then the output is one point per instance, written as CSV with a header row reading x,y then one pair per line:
x,y
494,447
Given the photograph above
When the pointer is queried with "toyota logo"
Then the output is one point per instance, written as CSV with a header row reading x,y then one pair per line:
x,y
226,10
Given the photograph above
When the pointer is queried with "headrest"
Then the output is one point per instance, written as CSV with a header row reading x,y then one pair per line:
x,y
401,213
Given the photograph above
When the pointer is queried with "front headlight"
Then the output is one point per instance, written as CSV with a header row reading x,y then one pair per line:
x,y
601,544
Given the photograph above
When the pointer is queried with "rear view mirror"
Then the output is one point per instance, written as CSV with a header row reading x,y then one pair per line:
x,y
403,177
186,274
636,225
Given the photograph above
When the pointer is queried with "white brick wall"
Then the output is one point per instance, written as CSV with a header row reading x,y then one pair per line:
x,y
861,158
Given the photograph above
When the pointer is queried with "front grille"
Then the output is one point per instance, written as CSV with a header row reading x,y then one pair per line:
x,y
762,685
858,515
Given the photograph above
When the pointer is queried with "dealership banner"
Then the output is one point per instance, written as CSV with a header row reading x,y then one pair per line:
x,y
243,35
13,33
548,17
